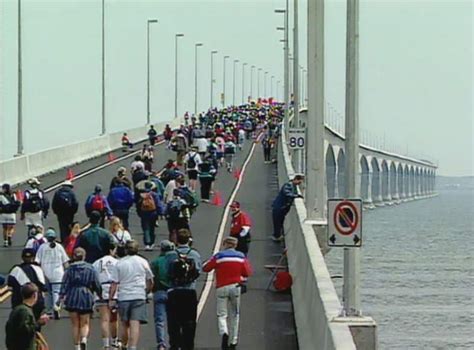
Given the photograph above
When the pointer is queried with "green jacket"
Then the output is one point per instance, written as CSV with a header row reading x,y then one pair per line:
x,y
159,267
21,329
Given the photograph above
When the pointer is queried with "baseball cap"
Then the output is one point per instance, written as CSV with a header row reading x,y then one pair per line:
x,y
166,245
28,253
235,204
50,233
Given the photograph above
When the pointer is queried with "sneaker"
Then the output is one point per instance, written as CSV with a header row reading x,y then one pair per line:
x,y
115,344
147,248
205,200
225,342
83,346
277,239
232,346
9,241
56,315
5,243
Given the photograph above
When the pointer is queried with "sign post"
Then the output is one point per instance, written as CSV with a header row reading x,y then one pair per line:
x,y
297,138
345,223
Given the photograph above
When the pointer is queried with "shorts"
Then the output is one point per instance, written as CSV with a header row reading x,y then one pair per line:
x,y
133,310
192,174
5,226
80,312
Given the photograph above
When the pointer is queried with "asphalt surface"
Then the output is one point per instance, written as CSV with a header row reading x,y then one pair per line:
x,y
266,317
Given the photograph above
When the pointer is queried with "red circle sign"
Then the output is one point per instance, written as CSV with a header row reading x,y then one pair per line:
x,y
346,218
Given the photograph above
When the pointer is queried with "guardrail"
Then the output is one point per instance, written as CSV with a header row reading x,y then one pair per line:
x,y
315,301
19,169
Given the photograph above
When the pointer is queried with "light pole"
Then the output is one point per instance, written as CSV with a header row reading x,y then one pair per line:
x,y
150,21
176,37
271,85
258,82
286,52
265,84
213,52
20,88
196,75
103,67
278,90
251,81
243,81
233,84
223,83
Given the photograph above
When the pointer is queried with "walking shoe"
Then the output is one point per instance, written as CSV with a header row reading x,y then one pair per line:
x,y
5,243
115,343
277,239
148,248
225,342
232,346
83,346
9,241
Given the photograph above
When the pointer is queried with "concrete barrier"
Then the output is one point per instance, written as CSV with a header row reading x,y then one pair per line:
x,y
19,169
315,301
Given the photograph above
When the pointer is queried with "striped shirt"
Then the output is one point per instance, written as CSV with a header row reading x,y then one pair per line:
x,y
231,267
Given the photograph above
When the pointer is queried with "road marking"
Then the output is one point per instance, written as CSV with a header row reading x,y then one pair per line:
x,y
210,276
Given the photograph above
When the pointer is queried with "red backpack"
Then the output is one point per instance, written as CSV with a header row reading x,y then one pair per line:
x,y
98,203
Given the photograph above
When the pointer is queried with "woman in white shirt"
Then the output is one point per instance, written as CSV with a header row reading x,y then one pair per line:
x,y
53,260
120,236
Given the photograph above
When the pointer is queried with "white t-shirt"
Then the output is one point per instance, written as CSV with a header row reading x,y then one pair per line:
x,y
104,267
131,273
52,261
196,157
121,237
169,189
202,144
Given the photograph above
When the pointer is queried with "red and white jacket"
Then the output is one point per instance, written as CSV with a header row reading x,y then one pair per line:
x,y
240,225
231,267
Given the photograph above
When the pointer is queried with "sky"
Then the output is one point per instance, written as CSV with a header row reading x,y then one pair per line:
x,y
416,73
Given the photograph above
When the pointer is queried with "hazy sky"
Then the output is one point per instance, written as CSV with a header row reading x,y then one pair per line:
x,y
416,74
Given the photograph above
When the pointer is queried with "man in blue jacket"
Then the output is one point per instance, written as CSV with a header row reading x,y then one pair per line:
x,y
65,206
149,206
98,202
121,200
282,205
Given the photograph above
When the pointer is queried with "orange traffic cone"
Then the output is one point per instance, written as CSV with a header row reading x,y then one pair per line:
x,y
69,175
237,173
217,199
111,157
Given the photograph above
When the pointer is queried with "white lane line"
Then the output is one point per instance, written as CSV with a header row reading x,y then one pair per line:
x,y
100,167
220,235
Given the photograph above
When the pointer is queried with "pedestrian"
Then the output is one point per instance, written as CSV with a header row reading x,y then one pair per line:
x,y
132,280
202,144
147,157
121,178
192,161
21,329
168,134
108,316
220,143
241,138
207,174
180,146
173,184
121,199
232,268
35,206
35,238
229,153
120,236
137,163
240,227
185,267
159,267
9,205
27,271
65,206
99,203
94,240
267,148
71,241
282,205
126,142
149,206
80,283
177,215
152,135
53,260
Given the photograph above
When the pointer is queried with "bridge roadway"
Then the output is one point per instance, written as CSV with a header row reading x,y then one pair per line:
x,y
266,317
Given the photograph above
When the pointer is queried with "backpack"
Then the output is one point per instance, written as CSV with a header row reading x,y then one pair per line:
x,y
191,162
229,149
35,201
97,203
37,243
174,209
190,198
64,199
147,203
183,269
120,245
10,207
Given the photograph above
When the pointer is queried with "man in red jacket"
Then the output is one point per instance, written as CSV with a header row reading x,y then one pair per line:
x,y
232,268
240,227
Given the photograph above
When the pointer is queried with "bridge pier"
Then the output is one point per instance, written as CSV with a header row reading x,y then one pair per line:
x,y
377,188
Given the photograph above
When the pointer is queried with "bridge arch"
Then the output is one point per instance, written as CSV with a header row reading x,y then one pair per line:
x,y
341,173
376,181
386,195
412,181
401,181
393,181
330,172
406,178
365,183
417,181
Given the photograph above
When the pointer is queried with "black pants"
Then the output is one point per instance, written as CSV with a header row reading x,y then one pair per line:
x,y
266,154
65,221
174,226
181,310
206,183
243,244
278,216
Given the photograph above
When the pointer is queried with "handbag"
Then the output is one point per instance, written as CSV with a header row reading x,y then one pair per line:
x,y
40,342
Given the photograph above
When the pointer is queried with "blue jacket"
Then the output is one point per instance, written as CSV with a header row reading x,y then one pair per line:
x,y
286,197
88,206
120,198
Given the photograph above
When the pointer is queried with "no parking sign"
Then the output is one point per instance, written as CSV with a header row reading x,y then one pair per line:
x,y
344,222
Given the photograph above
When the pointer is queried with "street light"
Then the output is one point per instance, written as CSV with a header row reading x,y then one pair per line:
x,y
223,83
286,51
213,52
278,90
243,81
176,73
265,84
233,85
271,85
150,21
196,75
20,88
251,81
103,67
258,82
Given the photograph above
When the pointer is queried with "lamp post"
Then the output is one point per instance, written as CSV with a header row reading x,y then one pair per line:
x,y
150,21
20,88
103,68
243,81
176,37
251,81
213,52
233,85
196,75
265,84
271,85
258,82
278,90
286,52
223,83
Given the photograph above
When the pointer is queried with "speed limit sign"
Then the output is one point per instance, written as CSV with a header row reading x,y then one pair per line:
x,y
297,138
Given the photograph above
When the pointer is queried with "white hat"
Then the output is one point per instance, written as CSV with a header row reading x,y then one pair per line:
x,y
296,174
68,183
33,180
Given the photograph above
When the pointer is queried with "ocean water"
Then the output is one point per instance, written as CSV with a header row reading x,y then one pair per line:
x,y
417,272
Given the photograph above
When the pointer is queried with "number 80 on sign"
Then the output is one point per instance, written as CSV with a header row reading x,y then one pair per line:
x,y
297,138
